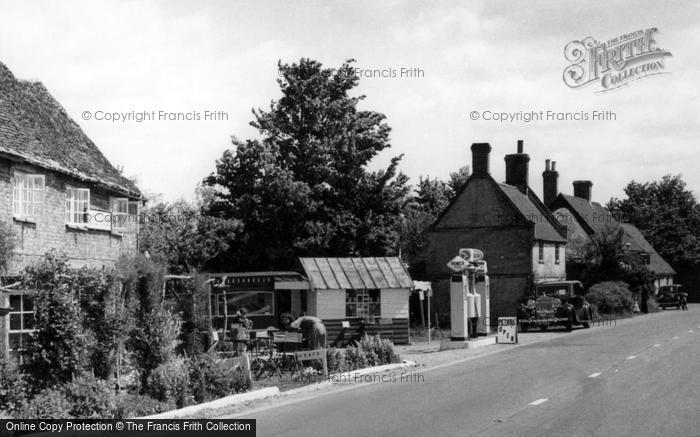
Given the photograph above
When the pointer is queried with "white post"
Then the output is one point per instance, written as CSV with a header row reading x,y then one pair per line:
x,y
430,294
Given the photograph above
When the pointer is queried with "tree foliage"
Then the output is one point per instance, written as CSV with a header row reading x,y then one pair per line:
x,y
179,237
304,186
668,216
429,199
606,259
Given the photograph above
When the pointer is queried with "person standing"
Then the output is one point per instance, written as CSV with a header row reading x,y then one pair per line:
x,y
313,329
684,302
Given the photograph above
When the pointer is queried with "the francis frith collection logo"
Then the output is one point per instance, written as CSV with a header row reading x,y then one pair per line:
x,y
614,63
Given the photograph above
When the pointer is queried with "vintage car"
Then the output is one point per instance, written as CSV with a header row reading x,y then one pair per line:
x,y
559,303
669,296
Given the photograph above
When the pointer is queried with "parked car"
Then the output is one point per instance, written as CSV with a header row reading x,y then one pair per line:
x,y
559,303
669,296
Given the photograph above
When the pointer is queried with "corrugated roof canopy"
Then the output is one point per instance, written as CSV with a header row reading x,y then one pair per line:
x,y
356,273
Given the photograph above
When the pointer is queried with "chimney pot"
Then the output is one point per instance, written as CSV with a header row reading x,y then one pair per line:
x,y
550,180
517,168
480,159
554,165
546,164
583,189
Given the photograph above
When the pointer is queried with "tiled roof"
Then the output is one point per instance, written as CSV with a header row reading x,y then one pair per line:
x,y
356,273
592,214
638,243
546,225
35,128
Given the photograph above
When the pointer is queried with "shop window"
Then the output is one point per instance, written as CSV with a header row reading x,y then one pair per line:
x,y
362,303
256,303
27,195
21,324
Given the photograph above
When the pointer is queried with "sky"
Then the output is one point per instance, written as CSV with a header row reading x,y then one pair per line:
x,y
103,57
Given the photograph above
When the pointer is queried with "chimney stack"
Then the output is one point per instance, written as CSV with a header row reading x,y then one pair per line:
x,y
480,159
517,167
583,189
550,181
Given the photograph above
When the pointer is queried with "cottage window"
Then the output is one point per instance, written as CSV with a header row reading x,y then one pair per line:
x,y
556,253
27,195
120,212
362,303
21,324
77,206
541,252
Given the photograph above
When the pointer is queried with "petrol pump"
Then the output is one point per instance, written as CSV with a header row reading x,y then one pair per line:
x,y
482,288
468,308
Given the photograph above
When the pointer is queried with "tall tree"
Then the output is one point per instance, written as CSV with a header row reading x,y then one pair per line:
x,y
180,238
304,187
668,215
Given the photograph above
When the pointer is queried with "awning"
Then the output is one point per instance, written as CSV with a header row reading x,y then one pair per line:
x,y
356,273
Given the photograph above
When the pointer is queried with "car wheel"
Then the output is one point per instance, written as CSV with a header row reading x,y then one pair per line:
x,y
523,328
544,327
586,325
569,325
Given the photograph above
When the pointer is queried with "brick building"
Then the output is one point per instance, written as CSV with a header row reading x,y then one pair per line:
x,y
59,192
584,218
522,241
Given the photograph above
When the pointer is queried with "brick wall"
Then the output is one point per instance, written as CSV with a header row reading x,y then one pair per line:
x,y
482,218
93,248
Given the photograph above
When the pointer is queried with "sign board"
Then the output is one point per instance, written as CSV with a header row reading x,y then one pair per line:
x,y
507,330
421,295
318,354
458,264
471,255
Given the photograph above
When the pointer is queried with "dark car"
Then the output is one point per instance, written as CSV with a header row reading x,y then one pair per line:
x,y
559,303
669,296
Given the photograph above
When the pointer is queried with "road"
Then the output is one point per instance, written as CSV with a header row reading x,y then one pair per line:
x,y
641,378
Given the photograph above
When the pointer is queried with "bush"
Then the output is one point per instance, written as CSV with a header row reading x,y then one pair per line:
x,y
378,350
335,359
209,380
51,403
13,387
611,297
90,398
355,358
169,382
155,341
134,405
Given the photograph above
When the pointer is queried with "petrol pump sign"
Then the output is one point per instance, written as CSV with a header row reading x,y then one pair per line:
x,y
507,330
458,264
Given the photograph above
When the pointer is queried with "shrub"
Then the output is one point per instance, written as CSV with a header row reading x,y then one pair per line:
x,y
51,403
61,346
378,350
134,405
611,297
155,341
210,380
335,359
355,358
13,387
90,397
169,382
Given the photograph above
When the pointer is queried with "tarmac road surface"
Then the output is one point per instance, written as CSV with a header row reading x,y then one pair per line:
x,y
641,378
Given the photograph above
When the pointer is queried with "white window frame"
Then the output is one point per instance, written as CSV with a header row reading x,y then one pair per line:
x,y
540,252
119,212
77,206
27,195
363,303
22,331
